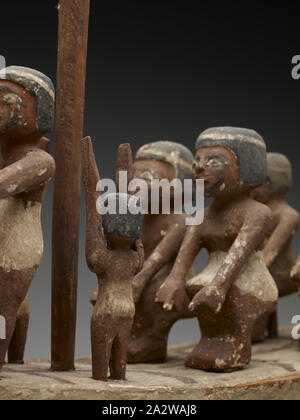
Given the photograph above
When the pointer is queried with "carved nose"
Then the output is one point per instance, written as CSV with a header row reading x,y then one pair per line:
x,y
147,176
198,167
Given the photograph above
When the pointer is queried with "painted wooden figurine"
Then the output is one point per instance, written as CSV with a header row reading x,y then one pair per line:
x,y
16,349
278,248
115,253
26,114
236,289
162,237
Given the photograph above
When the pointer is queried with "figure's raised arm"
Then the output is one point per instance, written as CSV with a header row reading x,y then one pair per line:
x,y
96,249
248,240
124,164
172,292
32,171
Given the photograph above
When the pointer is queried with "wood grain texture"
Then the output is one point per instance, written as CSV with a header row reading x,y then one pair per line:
x,y
72,52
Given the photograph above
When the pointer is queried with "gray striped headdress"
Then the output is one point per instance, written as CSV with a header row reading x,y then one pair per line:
x,y
248,146
177,155
41,87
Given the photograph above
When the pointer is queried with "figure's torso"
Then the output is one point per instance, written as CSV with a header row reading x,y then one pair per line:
x,y
218,232
222,226
115,285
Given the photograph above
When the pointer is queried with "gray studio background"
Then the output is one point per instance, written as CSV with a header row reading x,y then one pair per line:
x,y
163,71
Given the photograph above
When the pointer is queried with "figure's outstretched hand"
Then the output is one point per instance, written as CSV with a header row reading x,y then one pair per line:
x,y
90,171
211,297
124,164
171,295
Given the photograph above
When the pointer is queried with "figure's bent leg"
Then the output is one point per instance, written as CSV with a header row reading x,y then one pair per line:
x,y
227,337
119,352
149,336
17,344
102,336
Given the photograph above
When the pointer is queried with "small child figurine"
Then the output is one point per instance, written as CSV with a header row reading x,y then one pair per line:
x,y
236,289
26,114
278,250
114,252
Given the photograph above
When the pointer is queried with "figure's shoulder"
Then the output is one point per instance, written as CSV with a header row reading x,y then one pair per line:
x,y
288,211
253,208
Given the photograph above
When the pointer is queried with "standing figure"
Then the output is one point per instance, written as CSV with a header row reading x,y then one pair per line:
x,y
114,252
278,248
236,289
26,114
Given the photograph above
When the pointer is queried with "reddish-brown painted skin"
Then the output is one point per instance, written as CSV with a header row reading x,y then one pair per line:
x,y
221,309
115,261
24,160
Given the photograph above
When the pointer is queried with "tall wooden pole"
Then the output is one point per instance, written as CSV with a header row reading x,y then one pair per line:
x,y
71,75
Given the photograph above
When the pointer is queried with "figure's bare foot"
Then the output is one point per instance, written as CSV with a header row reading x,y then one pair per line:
x,y
219,354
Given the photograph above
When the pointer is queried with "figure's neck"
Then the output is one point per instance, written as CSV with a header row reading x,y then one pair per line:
x,y
15,152
275,200
222,201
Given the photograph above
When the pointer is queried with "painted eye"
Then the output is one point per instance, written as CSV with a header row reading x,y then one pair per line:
x,y
215,163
